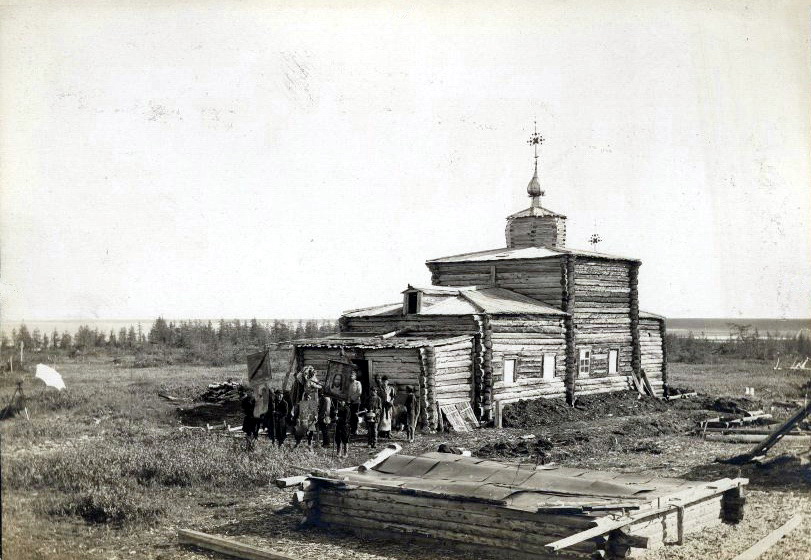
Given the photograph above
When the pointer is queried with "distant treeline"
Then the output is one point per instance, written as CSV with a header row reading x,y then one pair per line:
x,y
168,341
744,342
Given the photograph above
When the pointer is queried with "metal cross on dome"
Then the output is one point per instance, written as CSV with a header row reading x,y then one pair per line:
x,y
535,139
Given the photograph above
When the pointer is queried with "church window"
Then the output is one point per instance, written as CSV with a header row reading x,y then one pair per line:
x,y
509,371
548,366
613,361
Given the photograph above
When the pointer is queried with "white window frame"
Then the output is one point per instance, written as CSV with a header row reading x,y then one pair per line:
x,y
514,361
613,364
548,367
581,372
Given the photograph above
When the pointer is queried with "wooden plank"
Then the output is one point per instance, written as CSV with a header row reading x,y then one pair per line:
x,y
290,481
771,539
228,546
391,449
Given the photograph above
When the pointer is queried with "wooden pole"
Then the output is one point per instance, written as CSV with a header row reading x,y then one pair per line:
x,y
770,540
228,547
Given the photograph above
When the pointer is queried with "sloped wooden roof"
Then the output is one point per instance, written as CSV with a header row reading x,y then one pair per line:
x,y
370,341
521,253
466,301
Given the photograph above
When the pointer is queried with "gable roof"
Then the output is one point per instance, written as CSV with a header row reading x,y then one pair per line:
x,y
520,253
366,340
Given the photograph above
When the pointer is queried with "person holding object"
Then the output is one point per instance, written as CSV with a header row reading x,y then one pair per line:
x,y
412,407
372,418
324,417
354,396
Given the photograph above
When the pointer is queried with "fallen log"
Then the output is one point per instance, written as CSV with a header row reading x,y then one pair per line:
x,y
763,447
228,547
391,449
753,438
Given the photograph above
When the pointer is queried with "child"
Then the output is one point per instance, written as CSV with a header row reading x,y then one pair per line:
x,y
342,428
372,417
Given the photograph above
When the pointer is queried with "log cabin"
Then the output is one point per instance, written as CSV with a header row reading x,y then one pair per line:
x,y
533,319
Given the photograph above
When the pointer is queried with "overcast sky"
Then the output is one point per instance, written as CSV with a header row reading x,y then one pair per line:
x,y
241,159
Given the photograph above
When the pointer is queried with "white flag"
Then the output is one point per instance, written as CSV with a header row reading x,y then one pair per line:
x,y
50,376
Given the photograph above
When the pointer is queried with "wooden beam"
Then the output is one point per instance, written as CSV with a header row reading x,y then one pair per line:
x,y
770,540
391,449
763,447
290,481
228,547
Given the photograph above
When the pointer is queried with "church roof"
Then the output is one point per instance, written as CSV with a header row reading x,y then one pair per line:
x,y
466,301
535,212
542,252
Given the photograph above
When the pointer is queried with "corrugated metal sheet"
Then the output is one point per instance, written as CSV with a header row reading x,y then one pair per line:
x,y
507,254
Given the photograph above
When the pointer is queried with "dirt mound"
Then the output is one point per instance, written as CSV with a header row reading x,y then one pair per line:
x,y
220,403
545,412
739,405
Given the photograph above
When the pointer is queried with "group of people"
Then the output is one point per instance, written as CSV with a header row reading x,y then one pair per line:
x,y
337,419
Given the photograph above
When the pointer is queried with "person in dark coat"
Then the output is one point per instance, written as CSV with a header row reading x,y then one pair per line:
x,y
249,424
373,417
412,408
324,418
269,420
280,412
343,412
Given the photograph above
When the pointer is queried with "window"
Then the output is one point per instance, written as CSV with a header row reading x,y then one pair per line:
x,y
412,303
509,371
584,362
613,361
548,366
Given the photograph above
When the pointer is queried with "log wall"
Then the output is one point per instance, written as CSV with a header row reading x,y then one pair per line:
x,y
602,316
453,372
651,343
536,231
527,339
535,278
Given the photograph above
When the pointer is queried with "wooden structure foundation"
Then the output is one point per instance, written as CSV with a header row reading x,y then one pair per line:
x,y
523,511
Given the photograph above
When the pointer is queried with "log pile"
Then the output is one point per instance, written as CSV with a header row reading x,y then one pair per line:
x,y
518,510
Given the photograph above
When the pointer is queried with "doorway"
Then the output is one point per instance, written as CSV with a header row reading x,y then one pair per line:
x,y
365,378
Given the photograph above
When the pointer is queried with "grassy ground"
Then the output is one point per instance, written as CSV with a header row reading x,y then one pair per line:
x,y
102,470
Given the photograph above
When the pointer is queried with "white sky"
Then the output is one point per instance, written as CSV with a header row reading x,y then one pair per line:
x,y
239,159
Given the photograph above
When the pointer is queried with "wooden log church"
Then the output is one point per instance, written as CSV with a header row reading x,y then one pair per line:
x,y
534,319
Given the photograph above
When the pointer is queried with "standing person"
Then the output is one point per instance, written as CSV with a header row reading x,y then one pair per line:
x,y
372,418
324,417
354,395
260,410
280,412
249,424
387,393
343,413
412,407
269,420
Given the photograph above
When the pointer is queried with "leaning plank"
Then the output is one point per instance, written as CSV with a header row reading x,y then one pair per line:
x,y
771,539
391,449
228,547
763,447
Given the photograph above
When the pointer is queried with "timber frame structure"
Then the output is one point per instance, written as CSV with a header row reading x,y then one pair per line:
x,y
524,510
534,319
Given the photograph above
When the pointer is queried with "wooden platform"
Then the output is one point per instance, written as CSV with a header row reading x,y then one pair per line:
x,y
522,510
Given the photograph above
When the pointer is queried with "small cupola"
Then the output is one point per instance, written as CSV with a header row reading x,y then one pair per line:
x,y
536,226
